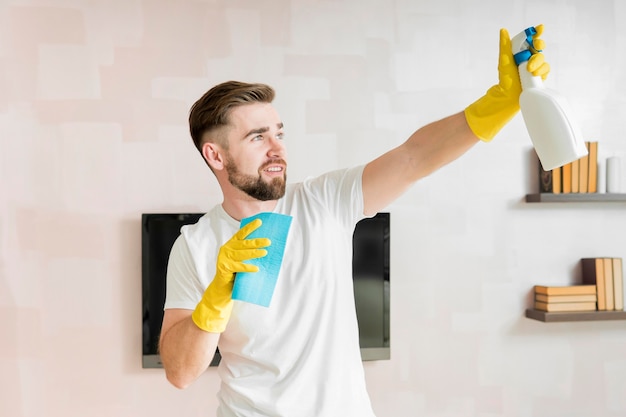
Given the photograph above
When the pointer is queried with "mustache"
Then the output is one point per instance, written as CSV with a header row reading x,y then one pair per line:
x,y
273,161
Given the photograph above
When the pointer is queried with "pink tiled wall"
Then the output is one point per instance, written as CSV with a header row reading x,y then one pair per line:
x,y
94,98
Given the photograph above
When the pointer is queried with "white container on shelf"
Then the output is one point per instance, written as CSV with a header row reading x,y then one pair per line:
x,y
613,174
601,175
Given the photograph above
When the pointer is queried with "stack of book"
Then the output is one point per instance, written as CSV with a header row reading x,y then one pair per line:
x,y
570,298
607,275
580,176
602,289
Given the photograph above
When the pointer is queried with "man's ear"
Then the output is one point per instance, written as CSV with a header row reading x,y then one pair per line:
x,y
213,156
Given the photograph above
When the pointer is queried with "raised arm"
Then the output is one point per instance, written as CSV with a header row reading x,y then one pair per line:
x,y
443,141
428,149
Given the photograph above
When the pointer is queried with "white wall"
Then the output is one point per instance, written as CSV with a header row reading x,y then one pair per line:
x,y
93,105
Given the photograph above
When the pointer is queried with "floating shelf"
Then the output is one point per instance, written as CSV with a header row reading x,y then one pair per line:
x,y
574,315
575,197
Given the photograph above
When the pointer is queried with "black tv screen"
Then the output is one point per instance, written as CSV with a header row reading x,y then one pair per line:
x,y
370,274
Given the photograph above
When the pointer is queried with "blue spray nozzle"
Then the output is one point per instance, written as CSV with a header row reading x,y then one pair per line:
x,y
529,48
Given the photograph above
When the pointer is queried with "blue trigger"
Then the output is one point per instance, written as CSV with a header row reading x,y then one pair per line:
x,y
530,32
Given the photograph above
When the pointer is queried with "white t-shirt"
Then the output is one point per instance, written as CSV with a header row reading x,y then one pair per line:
x,y
300,356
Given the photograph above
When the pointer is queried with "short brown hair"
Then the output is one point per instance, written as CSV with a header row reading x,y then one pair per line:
x,y
211,112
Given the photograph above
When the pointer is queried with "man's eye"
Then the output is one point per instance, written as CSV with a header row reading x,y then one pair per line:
x,y
257,137
280,136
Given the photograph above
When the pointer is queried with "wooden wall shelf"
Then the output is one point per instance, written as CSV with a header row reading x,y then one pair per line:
x,y
576,197
574,315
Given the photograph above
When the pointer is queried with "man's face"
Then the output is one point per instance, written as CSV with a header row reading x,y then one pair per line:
x,y
256,159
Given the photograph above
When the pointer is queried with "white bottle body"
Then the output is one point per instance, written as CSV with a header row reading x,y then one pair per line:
x,y
547,115
554,133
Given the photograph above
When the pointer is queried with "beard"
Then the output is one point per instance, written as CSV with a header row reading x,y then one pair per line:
x,y
255,186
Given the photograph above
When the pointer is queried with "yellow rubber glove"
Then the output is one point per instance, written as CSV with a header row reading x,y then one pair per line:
x,y
213,311
490,113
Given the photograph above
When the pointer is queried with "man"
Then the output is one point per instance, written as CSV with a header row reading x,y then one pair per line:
x,y
299,356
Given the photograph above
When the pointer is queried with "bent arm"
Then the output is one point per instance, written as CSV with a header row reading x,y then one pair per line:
x,y
186,350
426,150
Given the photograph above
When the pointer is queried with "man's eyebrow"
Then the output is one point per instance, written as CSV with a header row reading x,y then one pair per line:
x,y
262,130
256,131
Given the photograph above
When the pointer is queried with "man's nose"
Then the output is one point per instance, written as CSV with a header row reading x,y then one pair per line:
x,y
277,147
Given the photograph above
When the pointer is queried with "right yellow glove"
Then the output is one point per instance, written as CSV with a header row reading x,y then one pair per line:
x,y
213,311
490,113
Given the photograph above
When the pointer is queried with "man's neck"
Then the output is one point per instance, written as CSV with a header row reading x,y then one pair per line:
x,y
241,208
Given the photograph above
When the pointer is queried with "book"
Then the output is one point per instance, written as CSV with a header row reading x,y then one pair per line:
x,y
567,290
545,180
593,167
583,172
556,180
618,283
549,181
566,178
593,274
608,283
576,298
583,306
575,175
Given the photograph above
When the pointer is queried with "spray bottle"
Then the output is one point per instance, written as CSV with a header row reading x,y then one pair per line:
x,y
547,115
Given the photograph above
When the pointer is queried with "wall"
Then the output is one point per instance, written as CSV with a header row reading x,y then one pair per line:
x,y
94,98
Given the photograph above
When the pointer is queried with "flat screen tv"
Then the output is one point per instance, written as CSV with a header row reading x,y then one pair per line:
x,y
370,274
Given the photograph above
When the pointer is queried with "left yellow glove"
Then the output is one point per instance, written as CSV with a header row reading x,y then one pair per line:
x,y
490,113
213,311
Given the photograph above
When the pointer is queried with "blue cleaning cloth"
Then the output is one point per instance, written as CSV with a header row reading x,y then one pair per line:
x,y
258,287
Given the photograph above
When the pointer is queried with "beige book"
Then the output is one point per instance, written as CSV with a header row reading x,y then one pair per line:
x,y
586,306
578,298
618,283
608,283
565,290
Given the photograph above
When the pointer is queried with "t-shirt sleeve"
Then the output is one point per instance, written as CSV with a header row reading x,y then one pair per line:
x,y
184,288
341,192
